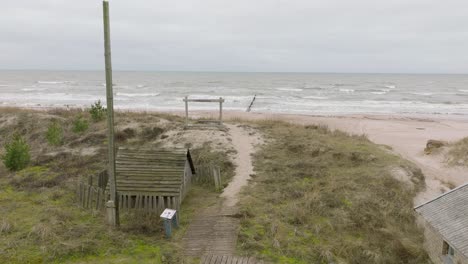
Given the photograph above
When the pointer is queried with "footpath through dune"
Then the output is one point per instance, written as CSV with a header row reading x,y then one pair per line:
x,y
214,230
244,141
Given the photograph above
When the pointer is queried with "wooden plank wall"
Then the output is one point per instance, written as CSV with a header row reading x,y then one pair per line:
x,y
208,174
187,181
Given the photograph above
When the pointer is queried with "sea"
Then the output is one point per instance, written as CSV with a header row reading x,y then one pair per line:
x,y
293,93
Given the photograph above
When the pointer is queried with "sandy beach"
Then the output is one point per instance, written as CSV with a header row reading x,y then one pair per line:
x,y
406,135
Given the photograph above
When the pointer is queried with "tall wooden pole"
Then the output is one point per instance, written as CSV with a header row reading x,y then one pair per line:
x,y
112,204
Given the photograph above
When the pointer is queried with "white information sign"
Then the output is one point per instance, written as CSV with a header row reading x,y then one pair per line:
x,y
168,213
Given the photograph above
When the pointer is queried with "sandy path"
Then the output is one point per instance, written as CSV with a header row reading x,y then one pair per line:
x,y
244,141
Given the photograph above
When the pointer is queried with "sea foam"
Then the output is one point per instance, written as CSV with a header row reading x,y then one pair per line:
x,y
138,94
316,97
289,89
53,82
347,90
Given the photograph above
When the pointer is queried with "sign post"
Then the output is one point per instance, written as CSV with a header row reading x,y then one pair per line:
x,y
170,219
112,204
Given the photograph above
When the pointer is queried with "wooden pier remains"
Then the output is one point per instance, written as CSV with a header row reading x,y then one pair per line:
x,y
251,104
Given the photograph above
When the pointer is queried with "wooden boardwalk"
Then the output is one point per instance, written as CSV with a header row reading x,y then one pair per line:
x,y
213,259
214,231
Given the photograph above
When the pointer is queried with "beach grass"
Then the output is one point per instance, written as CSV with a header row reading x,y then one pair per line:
x,y
40,219
319,196
458,153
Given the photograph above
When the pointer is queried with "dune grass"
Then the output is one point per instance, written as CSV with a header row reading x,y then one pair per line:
x,y
327,197
458,153
40,220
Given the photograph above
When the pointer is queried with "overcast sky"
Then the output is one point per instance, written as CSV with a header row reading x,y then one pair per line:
x,y
407,36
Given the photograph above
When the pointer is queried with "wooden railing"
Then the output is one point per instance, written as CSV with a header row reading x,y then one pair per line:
x,y
218,122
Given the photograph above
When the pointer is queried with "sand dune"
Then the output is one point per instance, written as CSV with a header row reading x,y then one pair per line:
x,y
407,135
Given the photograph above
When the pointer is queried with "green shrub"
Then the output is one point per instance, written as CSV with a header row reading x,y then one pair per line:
x,y
97,111
80,125
55,134
17,154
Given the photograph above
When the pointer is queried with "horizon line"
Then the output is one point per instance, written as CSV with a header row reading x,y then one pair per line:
x,y
212,71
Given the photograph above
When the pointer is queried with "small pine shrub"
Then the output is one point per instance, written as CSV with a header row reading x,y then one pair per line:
x,y
55,134
80,125
97,111
17,155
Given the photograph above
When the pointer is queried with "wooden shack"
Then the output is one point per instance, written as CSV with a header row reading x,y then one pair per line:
x,y
151,179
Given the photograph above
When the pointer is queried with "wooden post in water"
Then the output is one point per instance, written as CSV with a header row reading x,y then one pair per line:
x,y
186,111
112,204
221,111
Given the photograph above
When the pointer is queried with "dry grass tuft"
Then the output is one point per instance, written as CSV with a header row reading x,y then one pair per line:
x,y
124,135
458,153
151,133
43,231
5,226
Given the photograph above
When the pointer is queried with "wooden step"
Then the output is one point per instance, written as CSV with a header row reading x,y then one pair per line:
x,y
219,259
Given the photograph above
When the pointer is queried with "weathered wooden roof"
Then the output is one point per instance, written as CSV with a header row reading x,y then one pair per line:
x,y
448,214
151,171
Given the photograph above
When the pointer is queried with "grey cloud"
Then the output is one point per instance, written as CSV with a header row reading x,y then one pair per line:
x,y
243,35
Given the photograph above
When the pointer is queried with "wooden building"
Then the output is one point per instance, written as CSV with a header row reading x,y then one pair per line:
x,y
151,179
445,223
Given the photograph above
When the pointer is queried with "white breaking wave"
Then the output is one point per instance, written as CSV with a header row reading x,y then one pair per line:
x,y
33,89
138,94
463,90
423,93
316,97
53,82
382,92
347,90
390,86
289,89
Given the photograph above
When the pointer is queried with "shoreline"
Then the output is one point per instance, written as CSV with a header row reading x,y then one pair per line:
x,y
203,113
407,136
